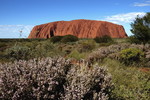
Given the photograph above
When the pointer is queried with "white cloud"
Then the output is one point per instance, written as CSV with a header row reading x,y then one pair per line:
x,y
124,18
13,31
146,3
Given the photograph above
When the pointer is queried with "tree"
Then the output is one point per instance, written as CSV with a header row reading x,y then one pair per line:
x,y
141,28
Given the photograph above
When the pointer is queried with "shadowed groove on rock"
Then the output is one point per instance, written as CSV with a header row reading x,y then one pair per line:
x,y
80,28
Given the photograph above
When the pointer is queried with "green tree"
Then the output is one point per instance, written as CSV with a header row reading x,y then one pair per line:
x,y
141,28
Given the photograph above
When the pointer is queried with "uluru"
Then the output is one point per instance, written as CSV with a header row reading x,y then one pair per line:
x,y
81,28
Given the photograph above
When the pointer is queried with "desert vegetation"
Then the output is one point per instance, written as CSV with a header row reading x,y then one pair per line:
x,y
35,69
68,68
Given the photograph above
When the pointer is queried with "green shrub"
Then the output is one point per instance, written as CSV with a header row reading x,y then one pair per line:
x,y
105,44
86,45
55,39
69,38
43,49
131,55
47,45
77,55
18,52
5,45
53,79
103,39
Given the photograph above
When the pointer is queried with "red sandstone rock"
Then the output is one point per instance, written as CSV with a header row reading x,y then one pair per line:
x,y
79,28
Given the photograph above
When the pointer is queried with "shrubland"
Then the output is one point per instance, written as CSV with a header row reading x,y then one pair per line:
x,y
130,83
27,69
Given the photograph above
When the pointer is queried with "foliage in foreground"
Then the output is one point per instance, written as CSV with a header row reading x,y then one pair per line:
x,y
53,78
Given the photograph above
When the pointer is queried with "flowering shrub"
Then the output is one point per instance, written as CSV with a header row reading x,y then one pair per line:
x,y
113,51
86,83
54,79
103,52
34,79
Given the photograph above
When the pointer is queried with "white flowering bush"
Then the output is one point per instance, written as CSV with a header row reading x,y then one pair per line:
x,y
34,79
112,51
53,79
103,52
87,83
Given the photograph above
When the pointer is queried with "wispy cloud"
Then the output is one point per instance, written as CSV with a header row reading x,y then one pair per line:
x,y
142,4
124,18
13,31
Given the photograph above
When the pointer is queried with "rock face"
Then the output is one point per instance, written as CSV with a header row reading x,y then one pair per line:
x,y
79,28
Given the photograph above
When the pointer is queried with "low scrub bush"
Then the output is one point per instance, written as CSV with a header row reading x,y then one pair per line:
x,y
18,52
103,52
131,55
55,39
44,49
77,55
86,45
2,45
113,51
69,38
103,39
53,79
97,55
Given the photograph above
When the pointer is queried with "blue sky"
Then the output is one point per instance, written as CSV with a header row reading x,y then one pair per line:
x,y
17,15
